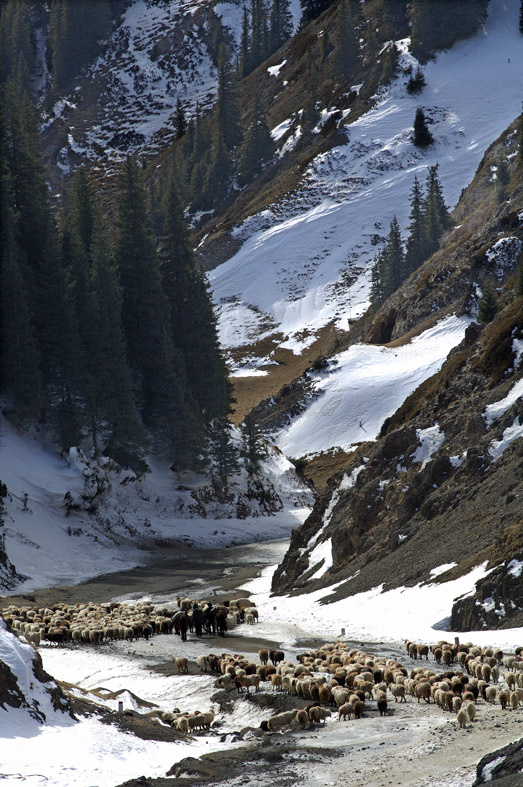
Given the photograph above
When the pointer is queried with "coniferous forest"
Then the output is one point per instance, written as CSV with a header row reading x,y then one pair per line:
x,y
108,335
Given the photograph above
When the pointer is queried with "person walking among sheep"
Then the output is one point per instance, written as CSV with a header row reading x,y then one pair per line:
x,y
197,618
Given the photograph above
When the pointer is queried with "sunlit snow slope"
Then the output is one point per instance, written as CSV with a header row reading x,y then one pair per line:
x,y
289,272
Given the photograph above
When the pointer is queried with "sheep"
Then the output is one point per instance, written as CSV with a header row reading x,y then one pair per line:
x,y
318,714
462,718
456,704
252,611
302,717
182,725
224,682
202,663
470,709
382,705
490,694
281,720
510,680
504,698
422,690
345,710
358,708
398,692
182,664
263,655
277,682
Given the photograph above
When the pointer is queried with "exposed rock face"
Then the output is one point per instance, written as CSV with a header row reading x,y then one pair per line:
x,y
396,510
497,602
502,767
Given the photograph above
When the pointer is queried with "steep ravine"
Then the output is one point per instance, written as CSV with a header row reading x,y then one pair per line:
x,y
436,488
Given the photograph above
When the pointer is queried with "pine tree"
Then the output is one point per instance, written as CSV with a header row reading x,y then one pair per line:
x,y
60,347
488,304
346,48
311,9
521,17
227,117
388,270
502,181
16,44
421,136
76,29
224,453
161,392
181,119
20,367
520,139
280,24
416,82
192,318
377,292
311,114
394,259
437,217
519,277
254,450
390,64
115,429
218,173
416,251
245,52
258,145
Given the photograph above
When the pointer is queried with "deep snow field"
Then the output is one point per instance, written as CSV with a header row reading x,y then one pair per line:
x,y
289,271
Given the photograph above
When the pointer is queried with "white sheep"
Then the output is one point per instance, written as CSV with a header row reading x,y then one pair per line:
x,y
281,720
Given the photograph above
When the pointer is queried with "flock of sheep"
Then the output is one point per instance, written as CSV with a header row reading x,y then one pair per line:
x,y
334,676
346,680
95,623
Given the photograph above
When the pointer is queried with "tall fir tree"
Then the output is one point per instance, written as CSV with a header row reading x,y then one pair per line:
x,y
346,46
488,305
227,117
520,139
115,428
192,318
244,64
421,136
519,277
416,251
437,217
254,450
258,145
388,270
280,24
521,17
161,392
311,9
502,181
311,114
224,453
180,119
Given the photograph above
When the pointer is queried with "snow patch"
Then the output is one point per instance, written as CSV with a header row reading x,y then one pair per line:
x,y
431,440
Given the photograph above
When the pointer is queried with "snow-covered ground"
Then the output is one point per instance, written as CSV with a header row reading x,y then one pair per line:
x,y
365,385
52,547
91,754
294,270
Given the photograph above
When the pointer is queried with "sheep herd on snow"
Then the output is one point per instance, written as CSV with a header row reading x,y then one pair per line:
x,y
335,676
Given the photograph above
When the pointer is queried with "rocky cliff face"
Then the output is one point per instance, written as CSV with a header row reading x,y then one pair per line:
x,y
443,483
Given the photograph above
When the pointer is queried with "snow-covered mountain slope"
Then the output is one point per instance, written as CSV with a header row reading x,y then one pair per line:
x,y
305,262
125,103
68,519
365,385
28,696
